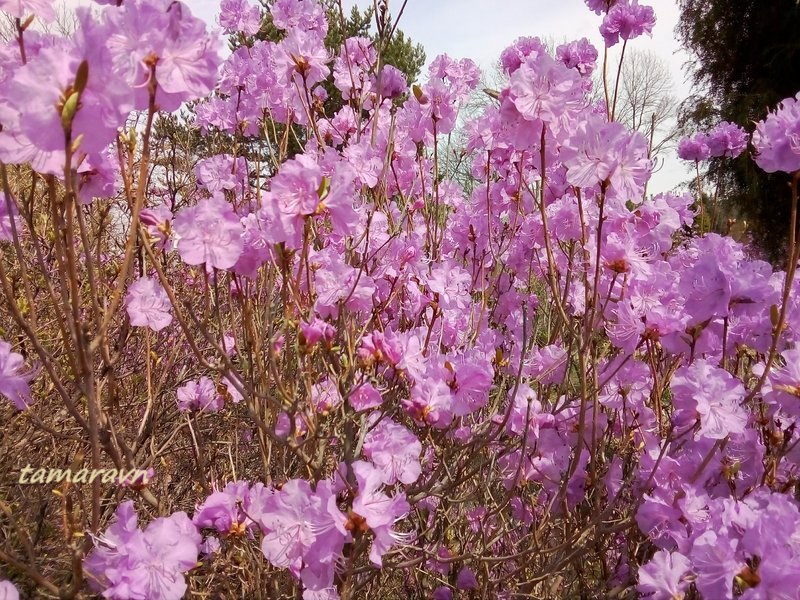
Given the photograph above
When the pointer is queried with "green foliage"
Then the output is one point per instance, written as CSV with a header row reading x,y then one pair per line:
x,y
747,59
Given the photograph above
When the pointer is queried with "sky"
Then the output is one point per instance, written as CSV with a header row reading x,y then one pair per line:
x,y
481,29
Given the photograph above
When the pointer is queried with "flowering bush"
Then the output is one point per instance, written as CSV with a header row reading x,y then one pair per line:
x,y
352,379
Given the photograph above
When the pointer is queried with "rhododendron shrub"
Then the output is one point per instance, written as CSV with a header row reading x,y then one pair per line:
x,y
345,375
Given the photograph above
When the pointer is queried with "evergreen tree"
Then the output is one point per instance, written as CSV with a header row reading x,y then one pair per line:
x,y
747,59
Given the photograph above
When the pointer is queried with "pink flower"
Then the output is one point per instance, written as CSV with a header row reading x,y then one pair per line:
x,y
579,55
694,148
163,32
777,138
664,576
627,21
302,529
515,55
158,222
364,397
394,450
6,232
148,304
316,331
200,395
545,89
14,383
727,139
238,15
209,233
8,591
714,395
376,508
127,562
225,510
221,172
602,151
20,9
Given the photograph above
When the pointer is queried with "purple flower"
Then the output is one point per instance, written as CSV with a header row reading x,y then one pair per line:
x,y
378,510
466,579
727,139
8,591
142,33
238,15
715,560
545,89
394,450
14,382
601,151
777,138
664,576
515,55
209,233
316,331
127,562
210,546
599,6
393,82
158,222
224,510
364,397
442,593
148,304
714,395
304,15
302,529
20,9
627,21
580,55
6,233
221,172
694,148
200,395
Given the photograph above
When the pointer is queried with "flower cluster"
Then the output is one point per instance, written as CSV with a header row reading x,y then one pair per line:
x,y
422,376
128,562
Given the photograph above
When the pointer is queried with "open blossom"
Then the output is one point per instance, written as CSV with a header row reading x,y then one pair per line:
x,y
304,531
128,562
8,591
665,576
158,221
713,395
627,21
222,172
14,381
200,395
727,139
777,138
394,450
378,510
225,510
209,233
184,53
580,55
21,9
600,151
239,15
694,148
148,304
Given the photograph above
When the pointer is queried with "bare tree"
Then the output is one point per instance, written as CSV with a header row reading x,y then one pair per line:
x,y
645,102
